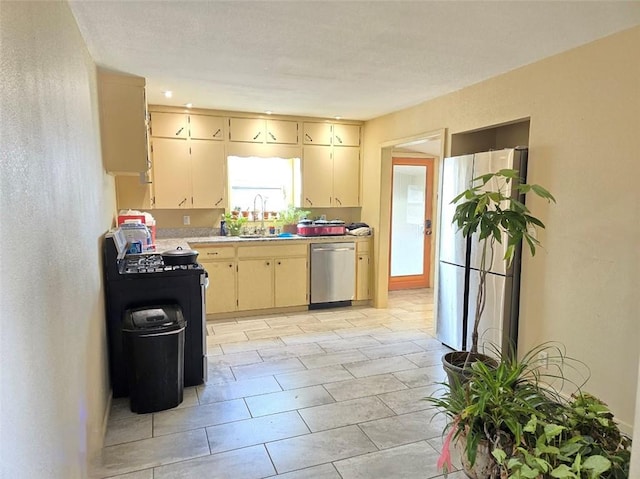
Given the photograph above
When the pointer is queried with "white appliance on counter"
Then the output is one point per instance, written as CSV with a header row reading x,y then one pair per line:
x,y
333,273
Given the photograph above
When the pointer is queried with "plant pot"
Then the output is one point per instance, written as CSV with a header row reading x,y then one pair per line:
x,y
457,365
293,229
484,467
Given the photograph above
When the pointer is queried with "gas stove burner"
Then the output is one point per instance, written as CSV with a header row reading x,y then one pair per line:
x,y
151,263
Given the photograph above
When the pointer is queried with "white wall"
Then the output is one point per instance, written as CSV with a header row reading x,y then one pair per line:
x,y
56,203
582,288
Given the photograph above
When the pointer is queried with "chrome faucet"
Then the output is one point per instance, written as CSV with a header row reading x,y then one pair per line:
x,y
262,206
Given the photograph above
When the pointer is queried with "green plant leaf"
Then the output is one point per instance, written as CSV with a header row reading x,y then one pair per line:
x,y
499,455
542,192
596,465
562,471
553,430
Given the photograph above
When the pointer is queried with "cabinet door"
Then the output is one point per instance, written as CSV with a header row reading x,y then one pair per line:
x,y
255,284
221,293
362,276
346,135
317,176
282,131
346,176
123,126
291,282
251,130
132,194
169,125
171,173
207,174
204,127
317,134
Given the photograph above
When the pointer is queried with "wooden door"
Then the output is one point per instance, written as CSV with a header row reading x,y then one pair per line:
x,y
346,135
362,276
317,133
290,282
251,130
411,219
171,173
282,131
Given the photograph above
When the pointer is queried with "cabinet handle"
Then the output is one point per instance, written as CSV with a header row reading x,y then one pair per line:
x,y
212,254
218,202
179,131
339,139
338,200
268,263
279,262
309,201
272,137
217,132
231,266
182,202
306,135
256,137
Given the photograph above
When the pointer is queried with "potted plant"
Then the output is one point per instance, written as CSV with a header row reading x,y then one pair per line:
x,y
290,218
491,211
234,223
507,421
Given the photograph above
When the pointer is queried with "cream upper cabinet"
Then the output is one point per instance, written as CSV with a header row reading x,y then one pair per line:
x,y
317,177
346,176
207,174
330,177
132,192
282,131
251,130
317,133
205,127
123,126
346,135
171,173
169,125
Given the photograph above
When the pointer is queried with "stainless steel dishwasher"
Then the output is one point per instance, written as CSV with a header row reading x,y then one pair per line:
x,y
333,272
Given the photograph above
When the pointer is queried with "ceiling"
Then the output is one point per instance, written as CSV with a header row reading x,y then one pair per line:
x,y
353,59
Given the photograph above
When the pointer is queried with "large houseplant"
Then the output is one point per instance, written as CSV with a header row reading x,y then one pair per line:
x,y
290,217
493,210
508,421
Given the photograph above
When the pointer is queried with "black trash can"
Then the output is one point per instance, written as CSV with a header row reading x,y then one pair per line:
x,y
153,343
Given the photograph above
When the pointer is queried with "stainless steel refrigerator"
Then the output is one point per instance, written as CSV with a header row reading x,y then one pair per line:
x,y
459,261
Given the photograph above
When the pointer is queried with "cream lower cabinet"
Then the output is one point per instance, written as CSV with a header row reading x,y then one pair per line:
x,y
272,276
220,265
363,271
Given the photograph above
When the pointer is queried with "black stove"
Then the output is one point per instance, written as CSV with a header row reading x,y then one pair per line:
x,y
139,280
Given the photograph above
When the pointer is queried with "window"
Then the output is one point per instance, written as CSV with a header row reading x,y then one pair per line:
x,y
278,180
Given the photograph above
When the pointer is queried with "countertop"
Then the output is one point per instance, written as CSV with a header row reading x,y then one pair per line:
x,y
172,243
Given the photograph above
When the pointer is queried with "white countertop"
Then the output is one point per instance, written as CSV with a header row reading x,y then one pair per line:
x,y
172,243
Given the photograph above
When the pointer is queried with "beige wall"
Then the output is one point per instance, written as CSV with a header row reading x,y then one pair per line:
x,y
582,288
56,204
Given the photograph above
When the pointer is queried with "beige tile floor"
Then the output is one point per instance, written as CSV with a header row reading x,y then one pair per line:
x,y
321,394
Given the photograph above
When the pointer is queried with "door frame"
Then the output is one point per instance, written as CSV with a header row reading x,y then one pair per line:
x,y
381,238
424,280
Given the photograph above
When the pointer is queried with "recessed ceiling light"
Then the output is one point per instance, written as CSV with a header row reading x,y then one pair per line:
x,y
168,94
268,112
338,117
188,105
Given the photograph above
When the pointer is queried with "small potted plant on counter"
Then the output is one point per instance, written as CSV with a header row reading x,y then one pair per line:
x,y
290,218
233,224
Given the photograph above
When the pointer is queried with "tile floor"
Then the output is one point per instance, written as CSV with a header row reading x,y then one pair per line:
x,y
320,394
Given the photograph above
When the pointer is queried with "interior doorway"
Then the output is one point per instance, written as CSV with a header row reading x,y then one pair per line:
x,y
411,223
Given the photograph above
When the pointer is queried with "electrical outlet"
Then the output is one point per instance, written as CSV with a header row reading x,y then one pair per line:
x,y
186,220
543,356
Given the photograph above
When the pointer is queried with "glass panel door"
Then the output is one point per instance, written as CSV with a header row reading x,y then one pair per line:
x,y
410,223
